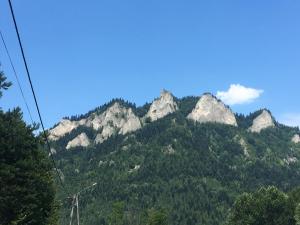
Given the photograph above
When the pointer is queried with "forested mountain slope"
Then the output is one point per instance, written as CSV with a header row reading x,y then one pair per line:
x,y
189,157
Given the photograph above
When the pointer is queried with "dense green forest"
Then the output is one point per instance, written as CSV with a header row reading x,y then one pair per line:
x,y
180,171
266,206
172,171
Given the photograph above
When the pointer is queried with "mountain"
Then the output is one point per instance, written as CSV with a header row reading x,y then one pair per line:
x,y
162,106
296,138
210,109
262,121
189,157
80,140
116,118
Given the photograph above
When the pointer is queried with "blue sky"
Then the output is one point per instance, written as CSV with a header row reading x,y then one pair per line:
x,y
83,53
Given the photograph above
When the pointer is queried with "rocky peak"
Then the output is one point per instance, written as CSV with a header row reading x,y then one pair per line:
x,y
115,119
65,126
162,106
81,140
296,139
210,109
262,121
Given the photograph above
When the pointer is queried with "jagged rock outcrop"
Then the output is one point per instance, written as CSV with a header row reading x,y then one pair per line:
x,y
290,160
53,151
169,150
81,140
162,106
132,123
262,121
135,168
243,143
65,126
210,109
296,139
105,134
116,119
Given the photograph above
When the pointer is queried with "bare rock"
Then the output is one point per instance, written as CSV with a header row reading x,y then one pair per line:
x,y
111,163
243,143
169,150
53,151
81,140
107,132
263,121
290,160
116,119
135,168
132,122
64,127
210,109
162,106
296,139
101,163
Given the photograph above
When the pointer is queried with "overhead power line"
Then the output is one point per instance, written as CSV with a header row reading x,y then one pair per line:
x,y
34,96
16,76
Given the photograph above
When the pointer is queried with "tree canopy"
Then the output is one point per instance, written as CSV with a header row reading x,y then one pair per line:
x,y
266,206
4,85
26,177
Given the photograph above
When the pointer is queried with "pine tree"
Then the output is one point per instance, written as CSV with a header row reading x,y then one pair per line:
x,y
266,206
157,217
26,178
117,214
3,83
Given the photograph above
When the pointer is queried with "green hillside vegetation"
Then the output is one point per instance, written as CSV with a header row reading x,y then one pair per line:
x,y
183,171
266,206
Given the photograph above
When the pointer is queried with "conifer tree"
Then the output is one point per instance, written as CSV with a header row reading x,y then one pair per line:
x,y
26,176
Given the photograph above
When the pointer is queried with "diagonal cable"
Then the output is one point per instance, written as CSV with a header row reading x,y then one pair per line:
x,y
34,96
16,76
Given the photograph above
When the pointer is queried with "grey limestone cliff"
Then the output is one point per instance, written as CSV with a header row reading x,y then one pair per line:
x,y
262,121
162,106
210,109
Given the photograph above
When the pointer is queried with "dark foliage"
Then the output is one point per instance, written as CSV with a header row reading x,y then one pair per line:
x,y
193,171
26,184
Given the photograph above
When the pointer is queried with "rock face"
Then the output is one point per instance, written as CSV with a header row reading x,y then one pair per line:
x,y
116,119
162,106
263,121
105,134
244,146
53,151
65,126
135,168
289,160
210,109
81,140
296,139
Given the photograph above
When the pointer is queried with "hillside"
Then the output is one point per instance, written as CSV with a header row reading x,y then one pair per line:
x,y
190,157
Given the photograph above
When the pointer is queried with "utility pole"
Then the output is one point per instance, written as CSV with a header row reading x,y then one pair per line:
x,y
77,206
72,210
75,203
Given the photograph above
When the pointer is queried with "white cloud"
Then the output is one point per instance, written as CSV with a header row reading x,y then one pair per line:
x,y
239,94
290,119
